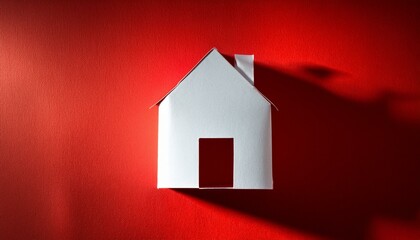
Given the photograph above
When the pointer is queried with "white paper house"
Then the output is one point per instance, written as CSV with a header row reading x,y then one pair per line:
x,y
215,101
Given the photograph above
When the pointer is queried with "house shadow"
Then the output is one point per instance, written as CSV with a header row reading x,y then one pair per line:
x,y
337,164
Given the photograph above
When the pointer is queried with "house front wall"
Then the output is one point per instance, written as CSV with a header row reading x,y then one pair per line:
x,y
214,102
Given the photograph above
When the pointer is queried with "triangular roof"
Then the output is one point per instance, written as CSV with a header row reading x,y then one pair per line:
x,y
213,49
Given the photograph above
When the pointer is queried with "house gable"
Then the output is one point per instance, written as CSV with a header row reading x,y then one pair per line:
x,y
216,56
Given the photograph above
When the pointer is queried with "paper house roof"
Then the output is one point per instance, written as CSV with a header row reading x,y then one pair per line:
x,y
215,128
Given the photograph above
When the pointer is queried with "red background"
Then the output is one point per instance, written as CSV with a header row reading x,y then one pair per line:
x,y
78,144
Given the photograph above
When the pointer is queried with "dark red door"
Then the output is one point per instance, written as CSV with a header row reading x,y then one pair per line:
x,y
215,162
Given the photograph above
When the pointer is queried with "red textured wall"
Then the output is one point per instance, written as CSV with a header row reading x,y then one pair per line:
x,y
78,143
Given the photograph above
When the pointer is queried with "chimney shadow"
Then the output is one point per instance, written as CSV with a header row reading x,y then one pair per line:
x,y
320,72
337,164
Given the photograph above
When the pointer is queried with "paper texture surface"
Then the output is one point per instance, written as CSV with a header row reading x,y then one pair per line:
x,y
214,101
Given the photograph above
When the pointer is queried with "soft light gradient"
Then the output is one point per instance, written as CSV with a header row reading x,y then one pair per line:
x,y
78,143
